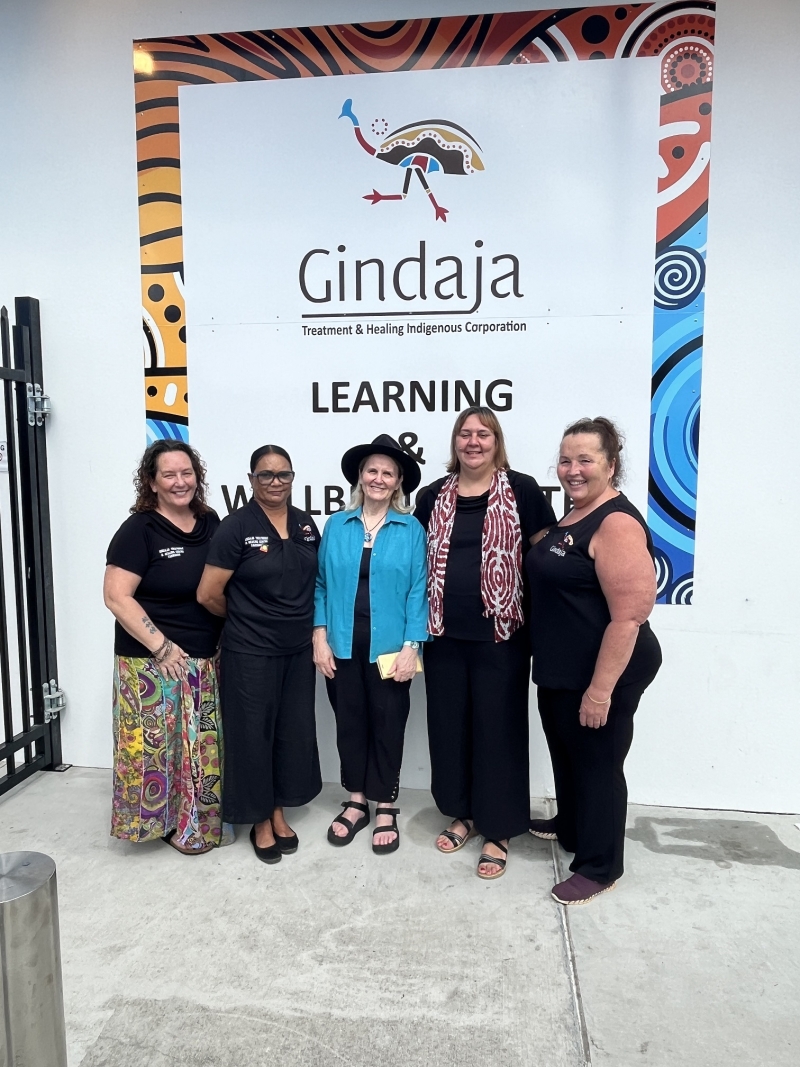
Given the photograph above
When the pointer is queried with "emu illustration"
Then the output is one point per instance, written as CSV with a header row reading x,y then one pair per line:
x,y
421,148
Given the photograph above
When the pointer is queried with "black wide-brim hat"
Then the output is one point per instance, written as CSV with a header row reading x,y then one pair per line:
x,y
383,445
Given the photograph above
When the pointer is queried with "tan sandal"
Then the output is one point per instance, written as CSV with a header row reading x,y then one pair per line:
x,y
184,851
458,840
498,861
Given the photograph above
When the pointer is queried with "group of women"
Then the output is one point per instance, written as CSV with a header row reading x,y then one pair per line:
x,y
479,577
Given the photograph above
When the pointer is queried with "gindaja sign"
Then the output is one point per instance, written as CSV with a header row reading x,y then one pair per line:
x,y
418,148
375,259
411,279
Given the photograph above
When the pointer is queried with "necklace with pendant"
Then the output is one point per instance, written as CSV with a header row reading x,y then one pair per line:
x,y
368,531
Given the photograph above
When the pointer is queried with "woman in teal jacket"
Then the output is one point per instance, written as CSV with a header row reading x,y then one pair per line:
x,y
371,600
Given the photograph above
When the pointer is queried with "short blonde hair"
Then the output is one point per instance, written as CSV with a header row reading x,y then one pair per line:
x,y
398,501
491,422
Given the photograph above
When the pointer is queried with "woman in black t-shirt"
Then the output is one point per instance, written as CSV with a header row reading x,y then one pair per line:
x,y
260,576
166,744
593,587
480,521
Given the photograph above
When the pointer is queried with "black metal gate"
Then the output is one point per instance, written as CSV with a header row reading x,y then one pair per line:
x,y
31,698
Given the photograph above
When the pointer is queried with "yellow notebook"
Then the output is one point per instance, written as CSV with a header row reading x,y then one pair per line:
x,y
386,662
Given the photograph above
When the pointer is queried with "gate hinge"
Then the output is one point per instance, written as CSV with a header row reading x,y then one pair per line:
x,y
39,406
55,700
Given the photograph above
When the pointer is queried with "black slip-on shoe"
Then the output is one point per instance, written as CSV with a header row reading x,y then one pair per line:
x,y
287,845
266,855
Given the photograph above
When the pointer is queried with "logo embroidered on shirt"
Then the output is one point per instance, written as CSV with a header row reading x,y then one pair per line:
x,y
171,553
561,548
260,542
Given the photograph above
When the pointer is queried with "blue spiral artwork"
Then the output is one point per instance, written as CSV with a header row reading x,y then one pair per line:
x,y
680,277
164,430
675,413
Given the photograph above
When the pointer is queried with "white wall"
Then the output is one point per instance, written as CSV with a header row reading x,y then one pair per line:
x,y
720,727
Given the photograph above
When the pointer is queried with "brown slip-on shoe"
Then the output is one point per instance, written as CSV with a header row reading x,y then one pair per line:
x,y
579,890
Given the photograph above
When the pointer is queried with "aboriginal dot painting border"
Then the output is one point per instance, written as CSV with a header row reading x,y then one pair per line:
x,y
681,34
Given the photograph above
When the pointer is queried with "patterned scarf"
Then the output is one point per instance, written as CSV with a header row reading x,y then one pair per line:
x,y
501,556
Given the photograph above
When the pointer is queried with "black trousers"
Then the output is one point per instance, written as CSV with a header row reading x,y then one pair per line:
x,y
591,792
269,732
371,715
478,731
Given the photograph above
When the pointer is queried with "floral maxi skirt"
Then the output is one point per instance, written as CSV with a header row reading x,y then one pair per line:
x,y
167,753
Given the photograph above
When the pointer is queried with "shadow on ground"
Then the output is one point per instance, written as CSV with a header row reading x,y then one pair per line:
x,y
721,841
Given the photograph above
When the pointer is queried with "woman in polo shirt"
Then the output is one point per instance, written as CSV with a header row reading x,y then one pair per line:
x,y
371,600
260,576
166,743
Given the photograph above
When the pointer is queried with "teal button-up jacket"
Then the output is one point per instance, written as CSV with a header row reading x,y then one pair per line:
x,y
397,592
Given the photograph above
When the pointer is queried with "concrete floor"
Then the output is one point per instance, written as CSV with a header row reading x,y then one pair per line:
x,y
338,957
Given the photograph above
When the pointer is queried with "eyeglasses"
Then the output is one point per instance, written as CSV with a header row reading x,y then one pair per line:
x,y
268,477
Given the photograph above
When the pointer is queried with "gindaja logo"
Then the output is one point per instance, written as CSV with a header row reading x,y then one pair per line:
x,y
419,148
430,281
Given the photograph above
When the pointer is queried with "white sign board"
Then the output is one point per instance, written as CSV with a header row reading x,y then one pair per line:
x,y
325,307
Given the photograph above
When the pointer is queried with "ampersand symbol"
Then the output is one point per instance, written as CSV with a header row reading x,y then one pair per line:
x,y
407,442
358,328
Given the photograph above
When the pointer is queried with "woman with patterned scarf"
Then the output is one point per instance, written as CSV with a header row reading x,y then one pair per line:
x,y
481,520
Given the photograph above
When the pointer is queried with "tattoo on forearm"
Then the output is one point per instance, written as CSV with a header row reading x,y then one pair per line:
x,y
149,625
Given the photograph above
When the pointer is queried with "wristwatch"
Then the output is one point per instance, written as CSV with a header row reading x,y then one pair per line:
x,y
411,644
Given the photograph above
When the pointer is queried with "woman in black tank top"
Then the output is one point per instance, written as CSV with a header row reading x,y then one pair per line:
x,y
593,587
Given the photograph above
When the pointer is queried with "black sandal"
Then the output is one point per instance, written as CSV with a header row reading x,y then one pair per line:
x,y
497,860
458,840
353,828
393,845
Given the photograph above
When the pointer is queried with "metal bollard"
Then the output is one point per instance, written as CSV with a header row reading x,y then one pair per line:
x,y
32,1032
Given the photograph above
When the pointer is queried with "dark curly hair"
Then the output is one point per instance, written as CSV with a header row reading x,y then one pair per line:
x,y
146,499
612,441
